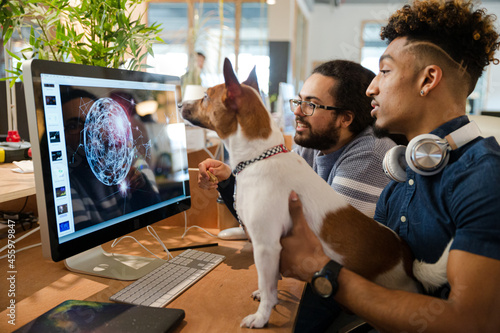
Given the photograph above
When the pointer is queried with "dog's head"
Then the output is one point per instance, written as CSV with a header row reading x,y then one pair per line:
x,y
228,105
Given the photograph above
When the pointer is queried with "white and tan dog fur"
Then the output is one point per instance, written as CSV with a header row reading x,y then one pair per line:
x,y
236,112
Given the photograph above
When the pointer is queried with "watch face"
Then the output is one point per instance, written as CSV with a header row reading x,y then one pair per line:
x,y
323,286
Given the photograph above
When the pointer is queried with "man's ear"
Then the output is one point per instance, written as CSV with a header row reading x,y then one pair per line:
x,y
232,85
430,78
346,119
252,80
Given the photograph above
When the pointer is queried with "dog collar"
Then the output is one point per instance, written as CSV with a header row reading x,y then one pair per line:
x,y
268,153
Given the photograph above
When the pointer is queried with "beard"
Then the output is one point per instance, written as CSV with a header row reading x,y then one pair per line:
x,y
380,132
320,140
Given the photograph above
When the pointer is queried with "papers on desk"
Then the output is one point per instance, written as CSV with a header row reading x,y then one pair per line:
x,y
23,166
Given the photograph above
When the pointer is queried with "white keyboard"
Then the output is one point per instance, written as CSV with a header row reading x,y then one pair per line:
x,y
163,284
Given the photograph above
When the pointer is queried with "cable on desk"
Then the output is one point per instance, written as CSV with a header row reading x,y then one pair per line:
x,y
186,229
153,233
20,238
19,216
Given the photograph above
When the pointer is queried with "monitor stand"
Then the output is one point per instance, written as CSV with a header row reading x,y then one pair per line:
x,y
98,262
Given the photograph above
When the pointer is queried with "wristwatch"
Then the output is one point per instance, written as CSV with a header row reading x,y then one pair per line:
x,y
324,283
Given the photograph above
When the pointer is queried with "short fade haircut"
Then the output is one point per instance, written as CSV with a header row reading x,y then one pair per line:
x,y
466,34
352,81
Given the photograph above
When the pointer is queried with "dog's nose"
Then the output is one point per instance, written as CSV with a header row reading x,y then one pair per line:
x,y
179,106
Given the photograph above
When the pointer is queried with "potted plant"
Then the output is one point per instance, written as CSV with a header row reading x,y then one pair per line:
x,y
90,32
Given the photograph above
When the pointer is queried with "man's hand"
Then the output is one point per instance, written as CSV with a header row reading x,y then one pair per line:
x,y
302,254
217,168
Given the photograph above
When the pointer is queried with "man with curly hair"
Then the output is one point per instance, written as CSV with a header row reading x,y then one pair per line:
x,y
437,51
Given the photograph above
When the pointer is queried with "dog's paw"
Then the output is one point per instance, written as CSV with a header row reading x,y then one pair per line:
x,y
254,321
256,295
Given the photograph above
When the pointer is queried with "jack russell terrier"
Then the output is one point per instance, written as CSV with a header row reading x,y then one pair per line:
x,y
266,174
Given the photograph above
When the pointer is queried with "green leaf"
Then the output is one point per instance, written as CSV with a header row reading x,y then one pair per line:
x,y
13,55
12,83
8,35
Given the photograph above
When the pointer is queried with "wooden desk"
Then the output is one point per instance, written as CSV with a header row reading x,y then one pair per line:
x,y
216,303
15,185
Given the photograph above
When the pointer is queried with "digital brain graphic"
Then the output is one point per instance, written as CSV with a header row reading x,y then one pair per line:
x,y
108,141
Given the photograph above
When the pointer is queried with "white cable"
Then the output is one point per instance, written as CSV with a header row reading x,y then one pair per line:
x,y
22,249
186,229
153,233
196,226
118,240
18,239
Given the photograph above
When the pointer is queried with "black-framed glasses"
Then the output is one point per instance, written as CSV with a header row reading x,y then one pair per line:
x,y
309,107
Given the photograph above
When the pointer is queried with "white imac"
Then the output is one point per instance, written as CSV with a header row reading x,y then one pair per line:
x,y
102,170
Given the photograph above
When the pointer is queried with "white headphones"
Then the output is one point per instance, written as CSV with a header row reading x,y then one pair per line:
x,y
426,154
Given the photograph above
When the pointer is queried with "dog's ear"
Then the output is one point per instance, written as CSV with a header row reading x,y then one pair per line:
x,y
232,84
252,80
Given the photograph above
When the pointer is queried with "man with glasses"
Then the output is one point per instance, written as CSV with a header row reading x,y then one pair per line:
x,y
333,134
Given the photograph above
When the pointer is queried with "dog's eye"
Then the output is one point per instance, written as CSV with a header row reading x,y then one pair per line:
x,y
205,96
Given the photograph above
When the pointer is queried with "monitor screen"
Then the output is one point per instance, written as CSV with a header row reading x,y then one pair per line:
x,y
109,152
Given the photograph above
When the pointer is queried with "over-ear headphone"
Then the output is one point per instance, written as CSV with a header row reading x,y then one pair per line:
x,y
426,154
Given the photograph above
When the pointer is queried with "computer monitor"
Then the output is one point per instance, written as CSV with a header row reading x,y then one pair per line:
x,y
109,156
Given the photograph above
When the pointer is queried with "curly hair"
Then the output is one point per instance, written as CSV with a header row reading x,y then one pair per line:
x,y
349,92
468,35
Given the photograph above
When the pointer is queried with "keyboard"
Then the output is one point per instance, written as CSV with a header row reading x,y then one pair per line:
x,y
165,283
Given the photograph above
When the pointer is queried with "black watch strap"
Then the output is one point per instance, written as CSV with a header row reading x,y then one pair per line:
x,y
324,282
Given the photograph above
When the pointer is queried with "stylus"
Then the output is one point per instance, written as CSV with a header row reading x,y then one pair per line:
x,y
193,247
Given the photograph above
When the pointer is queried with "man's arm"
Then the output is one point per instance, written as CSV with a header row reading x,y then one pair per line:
x,y
473,304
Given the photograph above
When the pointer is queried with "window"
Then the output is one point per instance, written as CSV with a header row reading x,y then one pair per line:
x,y
253,43
170,57
373,46
197,27
16,45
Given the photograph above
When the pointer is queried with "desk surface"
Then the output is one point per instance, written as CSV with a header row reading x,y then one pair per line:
x,y
216,303
15,185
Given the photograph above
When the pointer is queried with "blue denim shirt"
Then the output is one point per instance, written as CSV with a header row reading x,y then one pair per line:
x,y
461,202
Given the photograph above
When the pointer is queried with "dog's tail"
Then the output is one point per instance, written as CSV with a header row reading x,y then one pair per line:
x,y
432,276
